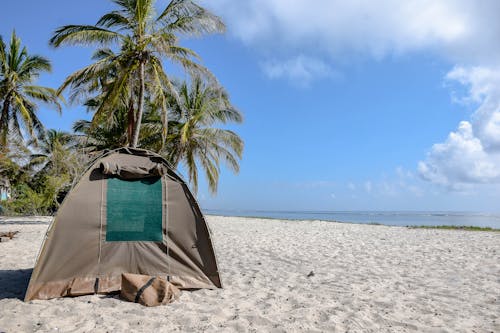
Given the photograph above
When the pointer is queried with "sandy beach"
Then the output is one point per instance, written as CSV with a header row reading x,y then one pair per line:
x,y
289,276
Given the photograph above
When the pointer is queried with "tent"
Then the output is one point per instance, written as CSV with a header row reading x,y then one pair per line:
x,y
128,213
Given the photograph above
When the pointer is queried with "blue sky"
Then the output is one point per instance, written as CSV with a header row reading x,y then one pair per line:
x,y
358,105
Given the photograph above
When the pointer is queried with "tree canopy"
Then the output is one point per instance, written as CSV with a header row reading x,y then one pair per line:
x,y
18,94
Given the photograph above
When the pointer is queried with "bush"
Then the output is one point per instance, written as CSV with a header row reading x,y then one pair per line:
x,y
42,201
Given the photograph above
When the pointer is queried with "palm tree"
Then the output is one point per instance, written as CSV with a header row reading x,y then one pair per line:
x,y
194,138
112,133
98,137
56,163
143,39
13,159
18,70
54,154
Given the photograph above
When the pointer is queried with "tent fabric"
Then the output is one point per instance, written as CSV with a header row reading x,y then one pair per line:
x,y
130,172
78,258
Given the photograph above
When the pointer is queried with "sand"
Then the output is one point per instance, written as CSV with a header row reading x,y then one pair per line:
x,y
289,276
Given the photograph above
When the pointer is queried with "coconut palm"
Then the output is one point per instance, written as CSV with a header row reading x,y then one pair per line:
x,y
112,133
55,163
195,140
18,94
98,137
13,159
54,153
143,39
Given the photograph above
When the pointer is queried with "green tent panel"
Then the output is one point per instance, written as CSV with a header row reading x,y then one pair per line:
x,y
134,210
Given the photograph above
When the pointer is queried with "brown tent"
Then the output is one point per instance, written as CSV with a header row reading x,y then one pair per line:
x,y
129,213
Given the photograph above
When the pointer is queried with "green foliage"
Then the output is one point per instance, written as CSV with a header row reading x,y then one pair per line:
x,y
39,201
18,70
56,155
39,185
195,139
8,168
12,157
455,227
144,39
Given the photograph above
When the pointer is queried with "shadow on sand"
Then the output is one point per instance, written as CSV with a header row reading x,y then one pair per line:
x,y
13,283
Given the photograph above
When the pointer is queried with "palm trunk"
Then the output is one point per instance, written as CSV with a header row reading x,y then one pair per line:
x,y
140,108
131,120
4,121
164,132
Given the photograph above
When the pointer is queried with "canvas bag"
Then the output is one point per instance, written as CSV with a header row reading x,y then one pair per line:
x,y
148,290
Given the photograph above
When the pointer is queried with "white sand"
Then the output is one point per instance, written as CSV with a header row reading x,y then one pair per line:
x,y
366,279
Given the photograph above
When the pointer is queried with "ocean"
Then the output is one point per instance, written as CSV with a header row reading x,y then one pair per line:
x,y
376,217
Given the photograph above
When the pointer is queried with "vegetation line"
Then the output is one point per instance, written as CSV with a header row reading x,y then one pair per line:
x,y
454,227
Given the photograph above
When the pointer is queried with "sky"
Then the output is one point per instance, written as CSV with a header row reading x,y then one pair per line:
x,y
348,105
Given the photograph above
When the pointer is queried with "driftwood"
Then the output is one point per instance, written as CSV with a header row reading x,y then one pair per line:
x,y
5,236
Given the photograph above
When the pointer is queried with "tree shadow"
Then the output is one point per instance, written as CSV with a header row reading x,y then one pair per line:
x,y
13,283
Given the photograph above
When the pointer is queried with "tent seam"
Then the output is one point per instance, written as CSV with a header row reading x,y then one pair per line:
x,y
100,229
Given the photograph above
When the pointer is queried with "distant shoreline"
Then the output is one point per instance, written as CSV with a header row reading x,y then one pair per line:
x,y
5,220
442,227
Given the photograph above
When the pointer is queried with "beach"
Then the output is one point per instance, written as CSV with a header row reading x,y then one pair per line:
x,y
288,276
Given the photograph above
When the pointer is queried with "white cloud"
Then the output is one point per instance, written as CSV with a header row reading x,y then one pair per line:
x,y
335,31
300,70
460,160
462,30
471,154
401,183
484,88
312,184
368,186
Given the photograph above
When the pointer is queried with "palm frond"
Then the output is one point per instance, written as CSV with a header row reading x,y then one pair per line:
x,y
112,97
45,94
23,108
81,79
31,66
103,53
83,34
114,19
3,58
187,17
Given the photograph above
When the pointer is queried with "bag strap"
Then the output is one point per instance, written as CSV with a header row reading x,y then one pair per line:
x,y
141,290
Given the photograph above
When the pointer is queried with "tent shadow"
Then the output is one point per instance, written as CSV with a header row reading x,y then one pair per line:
x,y
14,283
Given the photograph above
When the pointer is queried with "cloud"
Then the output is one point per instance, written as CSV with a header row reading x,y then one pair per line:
x,y
310,36
462,30
368,186
484,88
471,154
300,70
460,160
401,183
314,184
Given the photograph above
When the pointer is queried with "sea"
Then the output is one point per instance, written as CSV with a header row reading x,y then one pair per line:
x,y
396,218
